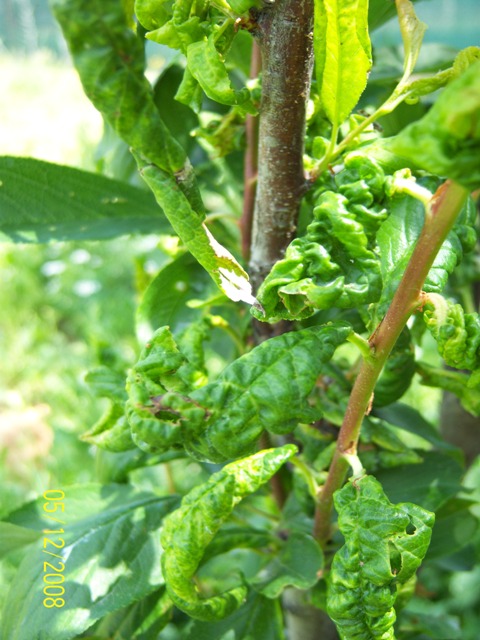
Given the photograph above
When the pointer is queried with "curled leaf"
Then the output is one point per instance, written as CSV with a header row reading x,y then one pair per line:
x,y
457,333
205,63
335,262
384,546
190,529
267,388
109,58
188,224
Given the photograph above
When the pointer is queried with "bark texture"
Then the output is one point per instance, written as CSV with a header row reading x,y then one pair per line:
x,y
285,34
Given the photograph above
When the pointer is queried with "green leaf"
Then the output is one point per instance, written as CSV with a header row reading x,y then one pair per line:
x,y
188,531
41,201
13,537
455,527
431,625
268,388
242,6
164,300
109,58
141,621
259,617
152,14
111,559
384,546
343,55
446,141
189,225
410,420
397,373
430,483
297,565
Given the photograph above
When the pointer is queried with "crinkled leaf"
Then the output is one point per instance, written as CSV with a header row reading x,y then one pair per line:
x,y
384,546
107,383
446,141
335,263
342,53
457,333
268,388
109,58
111,557
188,531
189,225
112,432
297,565
259,617
41,201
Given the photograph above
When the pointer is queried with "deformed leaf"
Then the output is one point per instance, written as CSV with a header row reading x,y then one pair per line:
x,y
463,385
188,531
342,53
457,333
384,546
109,58
112,432
207,66
412,30
267,388
189,225
335,262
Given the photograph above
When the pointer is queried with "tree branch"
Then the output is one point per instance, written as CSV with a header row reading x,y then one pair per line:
x,y
251,162
440,216
286,41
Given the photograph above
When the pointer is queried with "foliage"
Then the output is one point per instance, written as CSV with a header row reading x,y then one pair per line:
x,y
220,453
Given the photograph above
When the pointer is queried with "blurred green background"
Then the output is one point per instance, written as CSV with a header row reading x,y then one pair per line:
x,y
67,307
